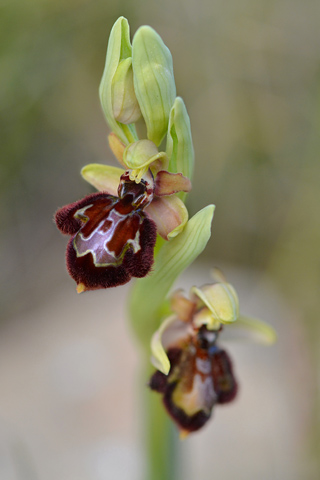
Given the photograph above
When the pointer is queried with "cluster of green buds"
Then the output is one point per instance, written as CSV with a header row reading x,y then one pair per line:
x,y
137,225
138,82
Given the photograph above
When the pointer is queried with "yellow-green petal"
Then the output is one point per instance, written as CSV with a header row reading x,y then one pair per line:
x,y
159,356
222,301
153,81
261,331
103,177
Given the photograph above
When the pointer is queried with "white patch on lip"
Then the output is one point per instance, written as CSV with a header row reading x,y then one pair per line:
x,y
211,337
97,246
203,366
201,397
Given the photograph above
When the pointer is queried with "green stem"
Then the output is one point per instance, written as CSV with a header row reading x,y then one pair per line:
x,y
160,440
147,305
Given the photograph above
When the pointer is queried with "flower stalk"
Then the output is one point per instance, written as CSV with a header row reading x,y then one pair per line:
x,y
161,438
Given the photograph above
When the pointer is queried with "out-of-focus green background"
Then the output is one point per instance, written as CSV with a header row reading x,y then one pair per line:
x,y
249,72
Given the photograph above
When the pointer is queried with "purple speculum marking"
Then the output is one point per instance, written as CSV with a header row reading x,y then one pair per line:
x,y
99,236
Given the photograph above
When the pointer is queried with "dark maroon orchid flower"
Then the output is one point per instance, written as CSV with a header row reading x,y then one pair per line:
x,y
193,373
112,238
200,377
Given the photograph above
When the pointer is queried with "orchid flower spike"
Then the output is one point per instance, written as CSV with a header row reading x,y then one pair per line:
x,y
113,233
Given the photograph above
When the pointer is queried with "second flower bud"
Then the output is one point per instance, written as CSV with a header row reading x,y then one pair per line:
x,y
124,101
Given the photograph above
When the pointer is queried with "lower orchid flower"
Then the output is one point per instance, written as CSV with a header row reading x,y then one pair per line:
x,y
193,372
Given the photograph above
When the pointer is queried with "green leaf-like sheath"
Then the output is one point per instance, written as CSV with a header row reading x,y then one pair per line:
x,y
179,140
149,293
153,81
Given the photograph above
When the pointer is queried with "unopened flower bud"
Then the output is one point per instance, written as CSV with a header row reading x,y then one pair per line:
x,y
119,50
124,101
153,81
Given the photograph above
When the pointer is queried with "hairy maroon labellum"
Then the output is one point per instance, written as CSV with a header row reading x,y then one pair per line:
x,y
200,377
112,238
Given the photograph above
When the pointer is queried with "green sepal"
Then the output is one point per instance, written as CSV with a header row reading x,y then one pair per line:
x,y
153,81
149,293
169,214
179,142
119,48
103,177
159,356
252,329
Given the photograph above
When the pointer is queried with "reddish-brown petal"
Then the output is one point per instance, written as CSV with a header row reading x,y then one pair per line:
x,y
182,306
169,183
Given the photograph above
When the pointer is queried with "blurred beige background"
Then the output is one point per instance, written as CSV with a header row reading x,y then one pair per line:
x,y
249,73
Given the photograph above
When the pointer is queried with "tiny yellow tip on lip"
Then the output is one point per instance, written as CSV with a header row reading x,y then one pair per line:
x,y
183,434
81,288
